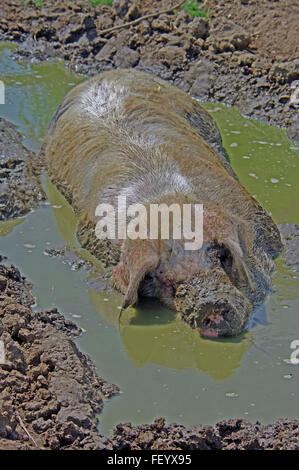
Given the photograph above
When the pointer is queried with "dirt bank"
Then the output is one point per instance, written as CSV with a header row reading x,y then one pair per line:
x,y
244,53
20,190
234,434
50,392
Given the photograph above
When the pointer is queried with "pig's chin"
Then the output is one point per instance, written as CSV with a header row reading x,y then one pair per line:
x,y
209,333
219,332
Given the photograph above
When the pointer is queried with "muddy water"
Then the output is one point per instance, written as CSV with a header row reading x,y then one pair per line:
x,y
162,367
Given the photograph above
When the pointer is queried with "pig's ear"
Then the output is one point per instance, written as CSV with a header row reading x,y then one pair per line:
x,y
142,258
234,246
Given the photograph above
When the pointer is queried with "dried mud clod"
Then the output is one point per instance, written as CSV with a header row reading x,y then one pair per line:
x,y
290,237
20,190
48,387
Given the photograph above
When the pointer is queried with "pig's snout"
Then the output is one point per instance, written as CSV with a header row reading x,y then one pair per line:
x,y
219,320
213,305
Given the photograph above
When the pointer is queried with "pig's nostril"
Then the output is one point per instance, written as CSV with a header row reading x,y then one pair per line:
x,y
225,312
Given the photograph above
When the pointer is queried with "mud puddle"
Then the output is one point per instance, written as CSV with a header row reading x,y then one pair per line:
x,y
161,366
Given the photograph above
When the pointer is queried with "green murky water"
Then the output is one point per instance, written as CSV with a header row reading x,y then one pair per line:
x,y
162,366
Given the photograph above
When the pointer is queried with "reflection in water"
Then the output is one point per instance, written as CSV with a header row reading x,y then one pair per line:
x,y
154,334
67,222
178,347
65,218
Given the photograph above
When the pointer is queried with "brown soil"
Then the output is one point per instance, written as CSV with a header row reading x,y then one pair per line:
x,y
20,190
245,53
234,434
49,391
273,25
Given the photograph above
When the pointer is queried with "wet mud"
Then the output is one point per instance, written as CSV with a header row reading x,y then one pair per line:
x,y
290,238
20,189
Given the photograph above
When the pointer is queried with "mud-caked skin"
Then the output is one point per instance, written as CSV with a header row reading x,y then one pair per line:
x,y
126,133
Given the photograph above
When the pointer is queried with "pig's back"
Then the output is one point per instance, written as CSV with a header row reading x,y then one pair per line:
x,y
144,107
123,126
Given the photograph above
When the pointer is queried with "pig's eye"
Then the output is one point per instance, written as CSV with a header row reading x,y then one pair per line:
x,y
226,260
218,255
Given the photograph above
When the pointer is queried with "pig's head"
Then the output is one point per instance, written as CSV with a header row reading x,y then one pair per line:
x,y
209,286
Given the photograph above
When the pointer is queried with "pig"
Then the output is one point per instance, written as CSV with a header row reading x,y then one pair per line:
x,y
128,133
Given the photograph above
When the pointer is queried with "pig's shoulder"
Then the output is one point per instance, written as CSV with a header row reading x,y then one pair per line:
x,y
207,128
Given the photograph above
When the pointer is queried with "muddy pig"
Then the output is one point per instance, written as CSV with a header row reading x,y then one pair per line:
x,y
127,133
